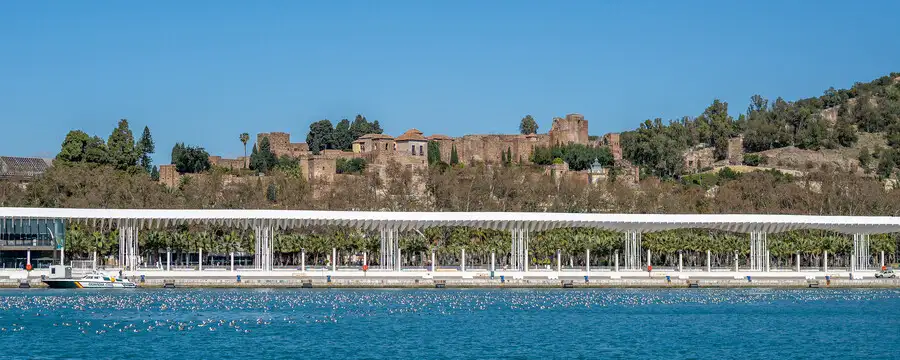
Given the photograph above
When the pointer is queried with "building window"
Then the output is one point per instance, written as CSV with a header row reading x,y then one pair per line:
x,y
420,151
385,147
413,150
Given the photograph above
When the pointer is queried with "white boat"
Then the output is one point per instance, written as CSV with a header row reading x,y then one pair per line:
x,y
92,281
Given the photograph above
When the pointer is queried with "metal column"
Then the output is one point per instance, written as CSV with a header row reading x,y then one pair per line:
x,y
758,251
390,249
632,250
859,260
518,259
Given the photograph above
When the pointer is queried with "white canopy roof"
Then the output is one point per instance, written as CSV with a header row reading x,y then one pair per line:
x,y
283,219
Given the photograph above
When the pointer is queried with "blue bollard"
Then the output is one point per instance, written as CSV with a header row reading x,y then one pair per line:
x,y
329,278
502,279
586,279
142,278
238,278
749,279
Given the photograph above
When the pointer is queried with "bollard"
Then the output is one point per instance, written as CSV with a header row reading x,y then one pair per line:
x,y
239,278
586,278
142,278
502,279
749,279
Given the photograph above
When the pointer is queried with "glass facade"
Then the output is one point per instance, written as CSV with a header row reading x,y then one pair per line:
x,y
32,232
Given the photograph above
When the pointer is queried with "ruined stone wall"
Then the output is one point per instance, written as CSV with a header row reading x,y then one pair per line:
x,y
612,140
280,144
735,154
571,129
168,176
234,164
698,159
488,148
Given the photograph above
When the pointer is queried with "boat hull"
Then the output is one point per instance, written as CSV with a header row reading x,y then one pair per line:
x,y
82,284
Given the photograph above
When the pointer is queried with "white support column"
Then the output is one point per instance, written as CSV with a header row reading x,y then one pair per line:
x,y
680,267
200,259
168,258
94,263
632,250
616,269
768,260
433,261
759,254
493,262
798,262
302,260
736,265
587,262
649,263
399,260
825,262
859,259
28,257
519,249
232,261
333,259
708,261
365,258
462,263
882,259
62,256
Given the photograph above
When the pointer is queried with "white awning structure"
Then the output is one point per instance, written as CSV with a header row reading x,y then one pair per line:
x,y
529,221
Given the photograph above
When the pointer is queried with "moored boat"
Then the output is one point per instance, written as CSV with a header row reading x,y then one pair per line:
x,y
91,281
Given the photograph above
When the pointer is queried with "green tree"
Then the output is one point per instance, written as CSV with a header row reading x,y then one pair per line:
x,y
262,159
121,147
271,193
320,136
864,157
454,157
154,174
361,126
528,125
145,147
886,163
342,138
434,153
72,149
190,159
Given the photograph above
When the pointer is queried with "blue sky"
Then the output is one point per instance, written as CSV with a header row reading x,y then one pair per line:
x,y
202,72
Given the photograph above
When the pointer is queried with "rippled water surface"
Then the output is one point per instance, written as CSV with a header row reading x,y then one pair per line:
x,y
445,323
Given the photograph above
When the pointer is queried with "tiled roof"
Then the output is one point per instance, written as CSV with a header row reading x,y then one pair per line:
x,y
411,135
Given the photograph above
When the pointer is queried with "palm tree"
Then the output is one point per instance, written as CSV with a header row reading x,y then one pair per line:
x,y
244,138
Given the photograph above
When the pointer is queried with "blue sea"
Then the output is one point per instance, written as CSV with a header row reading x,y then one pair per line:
x,y
450,324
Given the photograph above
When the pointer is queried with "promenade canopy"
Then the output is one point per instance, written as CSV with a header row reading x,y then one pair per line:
x,y
531,221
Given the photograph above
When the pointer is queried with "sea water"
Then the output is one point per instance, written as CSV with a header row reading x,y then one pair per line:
x,y
450,324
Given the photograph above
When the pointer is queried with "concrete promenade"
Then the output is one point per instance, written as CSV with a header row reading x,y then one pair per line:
x,y
355,278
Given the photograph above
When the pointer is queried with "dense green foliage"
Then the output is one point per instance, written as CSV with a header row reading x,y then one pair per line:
x,y
579,157
145,147
190,159
872,107
454,156
434,153
528,125
322,135
121,150
350,166
262,159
